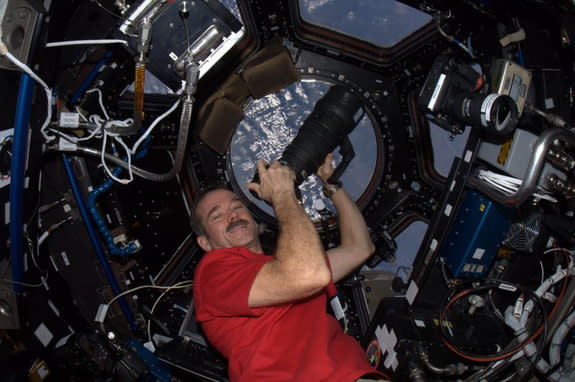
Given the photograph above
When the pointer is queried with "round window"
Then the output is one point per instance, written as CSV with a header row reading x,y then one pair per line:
x,y
272,122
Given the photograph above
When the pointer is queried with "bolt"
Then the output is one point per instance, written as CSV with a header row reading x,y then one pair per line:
x,y
476,302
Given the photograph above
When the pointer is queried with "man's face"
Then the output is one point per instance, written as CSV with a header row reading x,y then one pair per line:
x,y
227,222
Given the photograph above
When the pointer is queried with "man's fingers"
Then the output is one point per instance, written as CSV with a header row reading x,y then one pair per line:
x,y
328,159
255,187
261,166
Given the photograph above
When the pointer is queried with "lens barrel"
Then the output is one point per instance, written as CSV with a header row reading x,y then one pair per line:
x,y
496,112
334,116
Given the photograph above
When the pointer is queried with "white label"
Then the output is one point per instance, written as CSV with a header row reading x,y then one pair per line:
x,y
65,258
390,359
42,371
478,254
68,119
411,292
173,56
447,210
507,287
419,323
63,340
382,334
54,309
468,155
337,309
394,364
487,105
101,314
7,213
436,92
43,334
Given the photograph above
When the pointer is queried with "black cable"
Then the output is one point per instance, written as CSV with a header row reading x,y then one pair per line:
x,y
107,10
493,285
183,17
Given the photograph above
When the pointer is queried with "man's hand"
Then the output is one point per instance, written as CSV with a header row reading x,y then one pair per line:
x,y
276,182
326,169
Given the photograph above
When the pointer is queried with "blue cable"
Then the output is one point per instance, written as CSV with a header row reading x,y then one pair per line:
x,y
101,223
99,220
90,79
17,173
521,57
96,242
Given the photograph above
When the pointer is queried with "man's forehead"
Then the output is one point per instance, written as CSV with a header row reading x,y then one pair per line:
x,y
215,199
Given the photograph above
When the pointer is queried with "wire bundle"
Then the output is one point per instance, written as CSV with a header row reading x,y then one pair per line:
x,y
510,185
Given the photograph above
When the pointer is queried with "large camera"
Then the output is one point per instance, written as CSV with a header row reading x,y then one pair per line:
x,y
334,116
451,93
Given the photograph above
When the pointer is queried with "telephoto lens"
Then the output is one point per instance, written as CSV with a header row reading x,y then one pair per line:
x,y
334,116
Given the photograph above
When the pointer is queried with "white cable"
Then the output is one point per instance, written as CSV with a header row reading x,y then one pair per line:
x,y
107,306
4,51
81,114
70,138
103,160
85,42
100,100
143,287
25,284
153,125
570,252
181,284
510,185
130,173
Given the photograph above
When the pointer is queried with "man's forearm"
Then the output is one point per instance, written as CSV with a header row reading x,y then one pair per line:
x,y
299,247
353,229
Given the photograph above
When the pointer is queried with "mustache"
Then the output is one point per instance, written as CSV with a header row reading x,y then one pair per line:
x,y
236,223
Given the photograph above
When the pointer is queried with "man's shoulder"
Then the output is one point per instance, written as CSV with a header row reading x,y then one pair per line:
x,y
225,263
223,255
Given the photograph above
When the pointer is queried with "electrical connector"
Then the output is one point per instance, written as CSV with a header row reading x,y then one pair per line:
x,y
65,145
69,119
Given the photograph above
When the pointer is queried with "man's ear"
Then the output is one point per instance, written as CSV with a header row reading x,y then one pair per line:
x,y
204,243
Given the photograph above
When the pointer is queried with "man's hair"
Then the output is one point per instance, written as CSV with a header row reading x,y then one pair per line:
x,y
196,222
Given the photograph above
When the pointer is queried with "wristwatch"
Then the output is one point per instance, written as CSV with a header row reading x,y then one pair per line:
x,y
331,188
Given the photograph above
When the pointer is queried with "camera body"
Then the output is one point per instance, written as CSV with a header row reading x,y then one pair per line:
x,y
452,95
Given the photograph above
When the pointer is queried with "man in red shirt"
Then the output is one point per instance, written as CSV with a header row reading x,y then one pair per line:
x,y
267,314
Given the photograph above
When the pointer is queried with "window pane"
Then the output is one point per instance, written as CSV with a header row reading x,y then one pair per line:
x,y
382,22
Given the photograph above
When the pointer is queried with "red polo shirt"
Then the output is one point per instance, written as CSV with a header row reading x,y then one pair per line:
x,y
290,342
